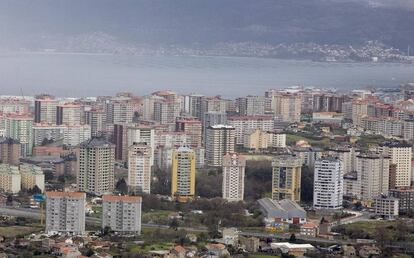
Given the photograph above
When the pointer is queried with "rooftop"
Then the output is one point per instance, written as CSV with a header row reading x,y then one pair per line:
x,y
121,198
96,142
77,195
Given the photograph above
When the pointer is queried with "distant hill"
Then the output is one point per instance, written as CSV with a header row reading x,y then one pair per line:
x,y
45,23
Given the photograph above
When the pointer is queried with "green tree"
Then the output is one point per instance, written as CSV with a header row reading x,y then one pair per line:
x,y
106,230
35,190
174,224
292,238
121,186
9,200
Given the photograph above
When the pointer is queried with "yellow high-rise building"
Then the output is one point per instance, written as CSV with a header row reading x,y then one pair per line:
x,y
286,178
183,174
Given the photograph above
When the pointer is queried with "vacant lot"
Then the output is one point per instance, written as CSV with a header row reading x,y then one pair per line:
x,y
13,231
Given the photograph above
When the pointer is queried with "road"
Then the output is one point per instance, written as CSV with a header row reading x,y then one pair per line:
x,y
35,213
359,216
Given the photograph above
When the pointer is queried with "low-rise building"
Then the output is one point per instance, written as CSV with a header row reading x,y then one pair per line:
x,y
251,244
352,186
309,229
256,140
298,250
405,195
331,118
230,236
285,210
217,251
386,207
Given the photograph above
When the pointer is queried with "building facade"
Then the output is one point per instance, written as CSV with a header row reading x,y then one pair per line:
x,y
220,141
122,214
65,212
183,174
139,168
32,176
286,178
328,184
234,166
96,166
10,179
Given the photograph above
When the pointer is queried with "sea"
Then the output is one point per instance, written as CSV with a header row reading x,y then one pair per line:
x,y
81,74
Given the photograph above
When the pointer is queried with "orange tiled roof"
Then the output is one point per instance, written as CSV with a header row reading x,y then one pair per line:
x,y
123,198
66,194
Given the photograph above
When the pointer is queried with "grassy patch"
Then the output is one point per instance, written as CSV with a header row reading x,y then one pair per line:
x,y
291,139
13,231
156,216
370,226
152,247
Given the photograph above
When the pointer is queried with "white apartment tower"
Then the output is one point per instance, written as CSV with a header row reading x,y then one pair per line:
x,y
142,134
20,127
139,168
122,214
65,212
220,141
233,177
328,184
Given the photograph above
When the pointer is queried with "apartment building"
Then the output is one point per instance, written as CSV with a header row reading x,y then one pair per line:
x,y
96,166
139,168
65,212
10,151
234,166
96,118
328,184
405,196
373,174
183,174
220,141
10,179
386,207
286,177
122,214
251,105
400,154
69,114
31,176
20,128
287,106
246,124
192,128
45,109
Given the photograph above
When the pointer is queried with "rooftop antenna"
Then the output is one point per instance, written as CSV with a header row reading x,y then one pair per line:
x,y
21,92
408,50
